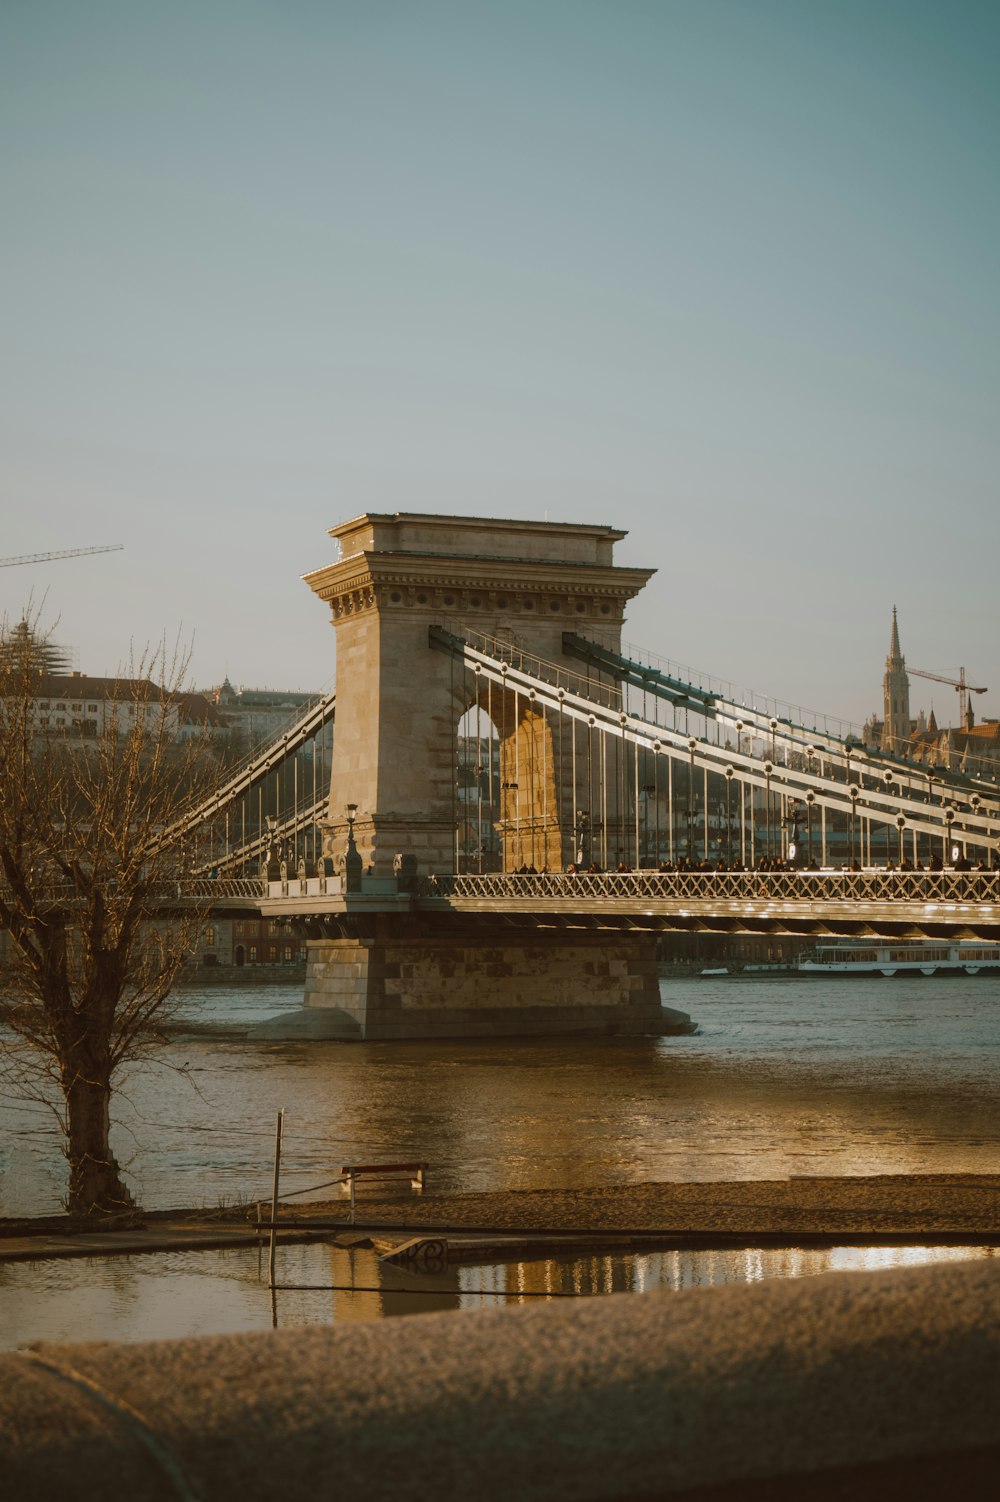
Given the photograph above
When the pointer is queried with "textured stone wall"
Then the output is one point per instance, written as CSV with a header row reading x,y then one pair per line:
x,y
860,1386
399,701
417,978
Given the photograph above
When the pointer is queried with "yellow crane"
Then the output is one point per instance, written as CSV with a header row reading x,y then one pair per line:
x,y
115,547
963,688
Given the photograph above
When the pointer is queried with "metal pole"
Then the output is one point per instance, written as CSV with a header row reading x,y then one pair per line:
x,y
572,757
274,1196
704,810
635,795
602,777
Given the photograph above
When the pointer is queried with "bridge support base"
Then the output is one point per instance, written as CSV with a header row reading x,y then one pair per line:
x,y
437,978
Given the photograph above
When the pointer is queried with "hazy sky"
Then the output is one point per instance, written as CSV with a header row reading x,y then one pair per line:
x,y
723,272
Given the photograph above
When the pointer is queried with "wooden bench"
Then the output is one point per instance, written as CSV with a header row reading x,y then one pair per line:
x,y
355,1173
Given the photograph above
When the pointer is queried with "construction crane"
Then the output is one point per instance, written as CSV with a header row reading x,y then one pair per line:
x,y
964,689
115,547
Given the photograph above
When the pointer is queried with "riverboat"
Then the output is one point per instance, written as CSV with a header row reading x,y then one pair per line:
x,y
920,957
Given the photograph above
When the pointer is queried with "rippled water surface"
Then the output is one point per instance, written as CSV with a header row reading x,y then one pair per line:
x,y
785,1076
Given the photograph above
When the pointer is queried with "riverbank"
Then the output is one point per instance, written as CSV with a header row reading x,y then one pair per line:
x,y
793,1212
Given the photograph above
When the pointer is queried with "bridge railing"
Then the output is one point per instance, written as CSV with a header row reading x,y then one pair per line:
x,y
207,888
734,886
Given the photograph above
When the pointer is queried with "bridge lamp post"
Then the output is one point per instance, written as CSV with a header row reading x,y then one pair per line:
x,y
768,769
582,848
810,800
900,825
888,779
649,789
950,849
855,793
774,725
792,825
975,800
352,855
729,816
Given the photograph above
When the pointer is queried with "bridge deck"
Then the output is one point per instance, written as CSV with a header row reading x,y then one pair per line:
x,y
900,904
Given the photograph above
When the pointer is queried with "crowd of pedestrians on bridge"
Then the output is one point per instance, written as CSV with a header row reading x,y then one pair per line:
x,y
686,864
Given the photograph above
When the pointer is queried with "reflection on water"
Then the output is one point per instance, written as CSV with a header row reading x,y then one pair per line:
x,y
786,1076
172,1295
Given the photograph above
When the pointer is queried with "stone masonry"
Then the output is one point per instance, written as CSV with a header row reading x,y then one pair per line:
x,y
399,701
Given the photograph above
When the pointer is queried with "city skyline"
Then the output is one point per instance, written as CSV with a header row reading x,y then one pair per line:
x,y
722,276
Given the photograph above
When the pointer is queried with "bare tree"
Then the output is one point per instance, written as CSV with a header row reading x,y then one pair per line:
x,y
89,879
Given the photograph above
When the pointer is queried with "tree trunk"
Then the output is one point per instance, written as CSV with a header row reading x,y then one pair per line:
x,y
95,1182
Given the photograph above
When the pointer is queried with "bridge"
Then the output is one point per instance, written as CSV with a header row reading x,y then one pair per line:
x,y
519,803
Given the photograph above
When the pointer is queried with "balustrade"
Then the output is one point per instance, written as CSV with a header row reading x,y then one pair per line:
x,y
725,886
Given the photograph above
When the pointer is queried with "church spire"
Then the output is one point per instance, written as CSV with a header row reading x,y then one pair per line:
x,y
896,728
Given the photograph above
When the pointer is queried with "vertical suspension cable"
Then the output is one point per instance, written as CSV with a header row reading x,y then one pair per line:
x,y
559,792
593,809
577,856
602,784
635,795
455,834
517,779
545,789
479,774
704,814
532,749
489,784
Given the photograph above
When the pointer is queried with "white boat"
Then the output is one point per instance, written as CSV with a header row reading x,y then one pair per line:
x,y
888,957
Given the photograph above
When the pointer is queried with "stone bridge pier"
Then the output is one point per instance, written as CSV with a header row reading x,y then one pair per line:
x,y
399,705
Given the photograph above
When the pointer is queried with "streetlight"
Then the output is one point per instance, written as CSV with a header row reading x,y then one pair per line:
x,y
888,779
900,825
810,800
855,793
950,849
975,801
649,789
352,856
768,769
582,821
729,819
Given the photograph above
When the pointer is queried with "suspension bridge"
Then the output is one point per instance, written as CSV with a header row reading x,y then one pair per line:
x,y
487,826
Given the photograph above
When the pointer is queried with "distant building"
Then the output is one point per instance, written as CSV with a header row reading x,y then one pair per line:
x,y
970,748
896,727
258,716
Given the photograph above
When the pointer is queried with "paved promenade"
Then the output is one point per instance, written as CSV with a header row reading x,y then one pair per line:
x,y
936,1207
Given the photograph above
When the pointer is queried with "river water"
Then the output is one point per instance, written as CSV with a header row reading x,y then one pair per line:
x,y
786,1075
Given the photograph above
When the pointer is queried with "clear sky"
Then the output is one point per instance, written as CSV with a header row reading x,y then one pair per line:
x,y
723,272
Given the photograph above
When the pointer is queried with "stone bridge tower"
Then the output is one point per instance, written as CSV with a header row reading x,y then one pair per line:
x,y
399,701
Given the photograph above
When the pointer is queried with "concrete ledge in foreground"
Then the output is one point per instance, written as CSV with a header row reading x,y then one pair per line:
x,y
855,1384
